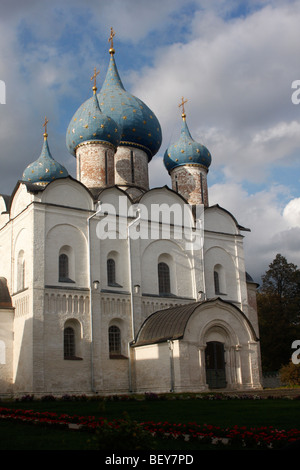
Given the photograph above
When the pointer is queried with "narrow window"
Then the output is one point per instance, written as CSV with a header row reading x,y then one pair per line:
x,y
132,166
63,268
114,340
106,169
164,285
21,271
69,343
176,184
111,272
201,188
217,282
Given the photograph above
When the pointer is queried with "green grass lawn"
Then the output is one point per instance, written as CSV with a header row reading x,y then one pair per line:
x,y
280,413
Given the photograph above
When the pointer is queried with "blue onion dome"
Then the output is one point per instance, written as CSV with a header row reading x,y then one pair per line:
x,y
139,126
90,124
45,169
186,151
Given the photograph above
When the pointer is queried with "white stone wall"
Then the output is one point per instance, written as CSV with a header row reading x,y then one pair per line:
x,y
223,252
57,219
6,350
153,368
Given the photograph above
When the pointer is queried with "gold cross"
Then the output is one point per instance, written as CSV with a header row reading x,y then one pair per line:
x,y
182,104
111,40
45,126
93,77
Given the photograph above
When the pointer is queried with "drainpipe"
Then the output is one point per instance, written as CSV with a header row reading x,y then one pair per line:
x,y
91,302
131,298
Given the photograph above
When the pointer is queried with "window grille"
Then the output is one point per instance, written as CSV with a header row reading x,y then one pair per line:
x,y
217,282
63,267
164,285
114,337
111,272
69,342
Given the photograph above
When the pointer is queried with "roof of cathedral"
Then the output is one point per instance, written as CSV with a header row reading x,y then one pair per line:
x,y
169,324
186,151
90,124
45,168
5,298
217,206
139,126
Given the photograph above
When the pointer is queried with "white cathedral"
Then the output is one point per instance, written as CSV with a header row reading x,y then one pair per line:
x,y
91,301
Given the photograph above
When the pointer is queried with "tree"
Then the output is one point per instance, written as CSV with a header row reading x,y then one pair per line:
x,y
290,374
278,312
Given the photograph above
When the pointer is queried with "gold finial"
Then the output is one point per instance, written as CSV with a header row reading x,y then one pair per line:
x,y
93,77
45,126
182,104
111,40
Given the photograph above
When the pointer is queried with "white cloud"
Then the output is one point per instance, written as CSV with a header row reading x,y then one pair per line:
x,y
237,77
291,213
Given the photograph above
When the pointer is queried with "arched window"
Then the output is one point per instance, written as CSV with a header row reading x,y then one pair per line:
x,y
111,272
66,264
21,271
114,340
69,343
219,280
164,285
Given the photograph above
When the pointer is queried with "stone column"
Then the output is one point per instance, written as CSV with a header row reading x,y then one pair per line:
x,y
202,366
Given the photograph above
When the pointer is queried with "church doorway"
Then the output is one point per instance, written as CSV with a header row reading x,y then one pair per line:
x,y
215,364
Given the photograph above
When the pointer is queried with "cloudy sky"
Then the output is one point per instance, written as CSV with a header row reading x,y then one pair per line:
x,y
235,61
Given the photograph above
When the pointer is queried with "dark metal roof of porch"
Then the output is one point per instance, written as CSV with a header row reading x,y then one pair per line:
x,y
169,324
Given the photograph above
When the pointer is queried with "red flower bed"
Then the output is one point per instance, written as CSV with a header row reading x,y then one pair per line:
x,y
266,436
